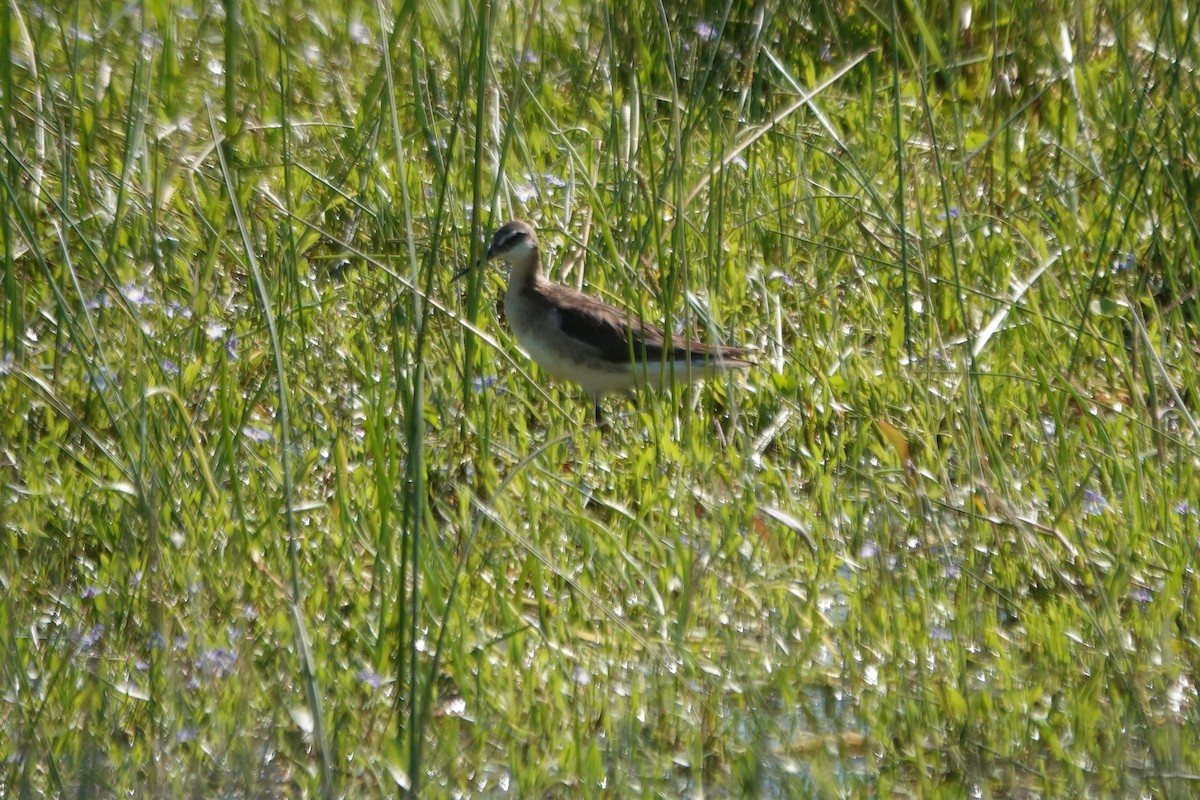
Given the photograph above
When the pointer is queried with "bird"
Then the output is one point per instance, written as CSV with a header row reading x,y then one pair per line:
x,y
581,339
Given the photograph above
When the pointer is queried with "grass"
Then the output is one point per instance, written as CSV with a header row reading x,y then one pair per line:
x,y
289,514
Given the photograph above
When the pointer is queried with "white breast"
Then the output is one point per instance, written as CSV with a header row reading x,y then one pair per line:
x,y
566,360
540,335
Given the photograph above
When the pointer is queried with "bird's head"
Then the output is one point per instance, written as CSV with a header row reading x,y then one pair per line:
x,y
513,243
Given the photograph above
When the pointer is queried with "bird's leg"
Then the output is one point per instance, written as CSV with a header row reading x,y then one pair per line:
x,y
597,412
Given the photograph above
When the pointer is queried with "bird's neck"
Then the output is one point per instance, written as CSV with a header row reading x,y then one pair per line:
x,y
526,273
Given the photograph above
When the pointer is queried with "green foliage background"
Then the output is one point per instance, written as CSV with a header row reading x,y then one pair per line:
x,y
285,512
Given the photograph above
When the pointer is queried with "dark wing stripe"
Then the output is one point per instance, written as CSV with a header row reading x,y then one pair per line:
x,y
612,337
609,339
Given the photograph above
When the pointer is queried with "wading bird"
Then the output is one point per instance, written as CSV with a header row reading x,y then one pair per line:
x,y
584,340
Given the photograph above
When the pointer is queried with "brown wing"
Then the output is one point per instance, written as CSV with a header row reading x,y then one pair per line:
x,y
614,336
